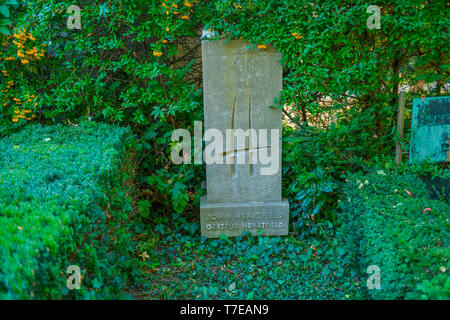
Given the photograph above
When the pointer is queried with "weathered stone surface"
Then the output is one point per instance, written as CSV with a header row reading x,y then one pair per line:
x,y
430,134
232,219
239,87
240,84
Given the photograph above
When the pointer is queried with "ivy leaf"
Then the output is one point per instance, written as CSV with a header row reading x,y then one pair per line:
x,y
4,30
103,9
4,11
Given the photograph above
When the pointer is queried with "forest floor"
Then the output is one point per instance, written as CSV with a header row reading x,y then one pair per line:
x,y
189,267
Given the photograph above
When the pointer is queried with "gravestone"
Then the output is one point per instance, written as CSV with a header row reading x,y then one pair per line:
x,y
430,139
239,85
430,134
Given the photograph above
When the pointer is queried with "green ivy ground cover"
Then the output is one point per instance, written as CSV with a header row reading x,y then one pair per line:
x,y
54,182
249,268
389,220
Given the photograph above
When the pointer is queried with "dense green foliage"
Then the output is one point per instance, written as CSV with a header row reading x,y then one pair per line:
x,y
312,179
55,211
250,268
5,15
389,220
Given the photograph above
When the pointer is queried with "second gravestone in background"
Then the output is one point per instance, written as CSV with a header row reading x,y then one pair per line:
x,y
430,138
240,85
430,134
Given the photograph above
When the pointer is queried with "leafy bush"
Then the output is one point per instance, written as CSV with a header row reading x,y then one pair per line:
x,y
389,220
339,74
435,175
314,171
5,15
308,182
123,65
65,200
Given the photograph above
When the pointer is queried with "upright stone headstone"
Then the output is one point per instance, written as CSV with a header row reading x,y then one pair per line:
x,y
430,134
240,84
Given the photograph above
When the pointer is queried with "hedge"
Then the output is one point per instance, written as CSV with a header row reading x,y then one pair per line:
x,y
389,220
56,186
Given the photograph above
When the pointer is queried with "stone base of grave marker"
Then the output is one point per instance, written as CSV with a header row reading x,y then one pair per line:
x,y
232,219
240,84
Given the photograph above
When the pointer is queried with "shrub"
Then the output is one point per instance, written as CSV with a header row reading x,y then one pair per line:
x,y
389,220
64,201
313,177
